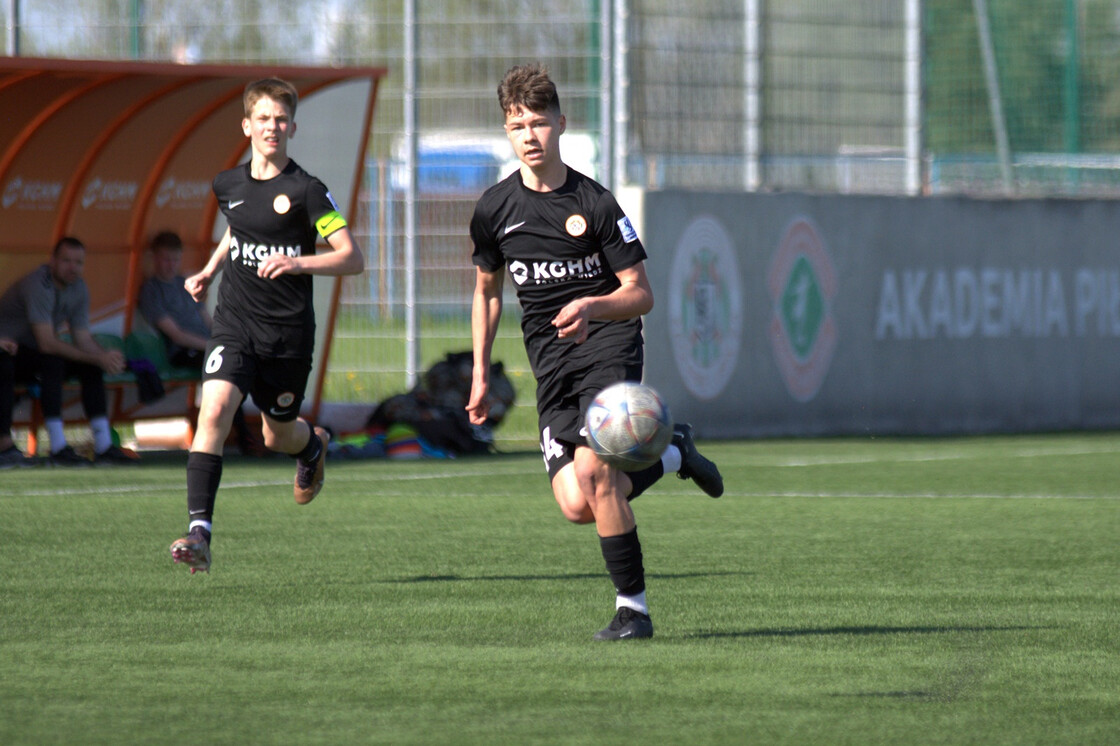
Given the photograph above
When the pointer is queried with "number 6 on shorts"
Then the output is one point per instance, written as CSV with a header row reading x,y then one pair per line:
x,y
214,362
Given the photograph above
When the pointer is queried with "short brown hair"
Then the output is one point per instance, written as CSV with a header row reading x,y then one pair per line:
x,y
275,88
67,242
528,86
167,240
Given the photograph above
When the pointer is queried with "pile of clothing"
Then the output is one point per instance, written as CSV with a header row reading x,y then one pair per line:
x,y
431,420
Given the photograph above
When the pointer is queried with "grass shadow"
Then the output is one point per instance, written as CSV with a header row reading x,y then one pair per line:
x,y
559,576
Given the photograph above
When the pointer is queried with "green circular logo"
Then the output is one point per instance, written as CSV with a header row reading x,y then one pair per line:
x,y
705,309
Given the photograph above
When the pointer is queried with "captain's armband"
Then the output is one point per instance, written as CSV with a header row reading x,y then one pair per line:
x,y
330,223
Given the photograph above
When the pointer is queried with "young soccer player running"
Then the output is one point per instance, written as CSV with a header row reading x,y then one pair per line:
x,y
579,272
264,325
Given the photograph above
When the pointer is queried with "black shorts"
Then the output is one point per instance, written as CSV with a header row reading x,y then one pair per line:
x,y
276,384
562,401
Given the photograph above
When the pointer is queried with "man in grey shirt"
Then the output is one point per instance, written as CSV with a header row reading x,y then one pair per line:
x,y
184,323
33,311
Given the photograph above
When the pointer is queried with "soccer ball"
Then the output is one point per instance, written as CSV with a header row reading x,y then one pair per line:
x,y
629,426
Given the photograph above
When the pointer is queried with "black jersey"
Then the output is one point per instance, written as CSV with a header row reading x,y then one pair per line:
x,y
558,246
285,214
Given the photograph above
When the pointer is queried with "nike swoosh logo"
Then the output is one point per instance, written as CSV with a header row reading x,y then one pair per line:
x,y
276,413
515,226
583,432
235,204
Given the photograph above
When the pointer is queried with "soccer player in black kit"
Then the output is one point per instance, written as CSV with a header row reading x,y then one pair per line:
x,y
580,278
264,325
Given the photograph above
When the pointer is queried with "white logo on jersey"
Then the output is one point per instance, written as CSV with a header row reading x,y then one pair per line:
x,y
281,204
545,273
519,272
235,204
629,235
515,226
576,225
252,254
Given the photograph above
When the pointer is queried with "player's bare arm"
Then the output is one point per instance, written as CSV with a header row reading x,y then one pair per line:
x,y
84,350
111,361
486,312
198,283
343,259
634,297
180,336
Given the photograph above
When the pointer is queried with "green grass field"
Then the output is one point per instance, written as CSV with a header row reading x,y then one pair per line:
x,y
956,591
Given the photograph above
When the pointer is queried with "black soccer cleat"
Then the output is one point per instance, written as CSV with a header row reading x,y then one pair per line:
x,y
67,456
693,465
116,456
627,625
12,457
309,477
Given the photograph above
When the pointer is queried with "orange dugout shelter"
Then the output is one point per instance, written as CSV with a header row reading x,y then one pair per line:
x,y
113,152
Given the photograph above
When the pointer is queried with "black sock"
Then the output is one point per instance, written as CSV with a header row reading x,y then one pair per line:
x,y
644,479
624,562
310,451
204,473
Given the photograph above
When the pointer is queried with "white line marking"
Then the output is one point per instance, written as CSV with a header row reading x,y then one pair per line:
x,y
796,461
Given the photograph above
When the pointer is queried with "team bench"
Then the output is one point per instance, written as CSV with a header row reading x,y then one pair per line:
x,y
125,405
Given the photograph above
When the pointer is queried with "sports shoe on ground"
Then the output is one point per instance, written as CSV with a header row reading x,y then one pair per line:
x,y
12,457
114,455
693,465
309,477
67,456
192,550
627,625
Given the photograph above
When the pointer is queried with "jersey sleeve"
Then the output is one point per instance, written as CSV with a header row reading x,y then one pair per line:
x,y
620,242
487,255
220,187
323,210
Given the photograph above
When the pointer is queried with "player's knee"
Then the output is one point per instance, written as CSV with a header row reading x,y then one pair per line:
x,y
573,504
210,419
283,437
595,480
576,511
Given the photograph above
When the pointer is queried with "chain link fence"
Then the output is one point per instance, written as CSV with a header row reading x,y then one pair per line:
x,y
980,97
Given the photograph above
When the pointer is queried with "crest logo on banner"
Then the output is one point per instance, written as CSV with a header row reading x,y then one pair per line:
x,y
705,307
803,333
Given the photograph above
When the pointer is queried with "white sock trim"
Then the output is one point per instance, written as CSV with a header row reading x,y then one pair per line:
x,y
671,459
102,434
55,434
637,603
204,524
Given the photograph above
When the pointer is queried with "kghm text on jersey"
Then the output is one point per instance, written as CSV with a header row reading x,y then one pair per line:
x,y
251,253
556,271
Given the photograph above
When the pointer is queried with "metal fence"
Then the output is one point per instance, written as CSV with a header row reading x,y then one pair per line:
x,y
986,97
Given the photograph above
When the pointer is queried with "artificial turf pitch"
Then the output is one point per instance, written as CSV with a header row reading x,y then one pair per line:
x,y
852,591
